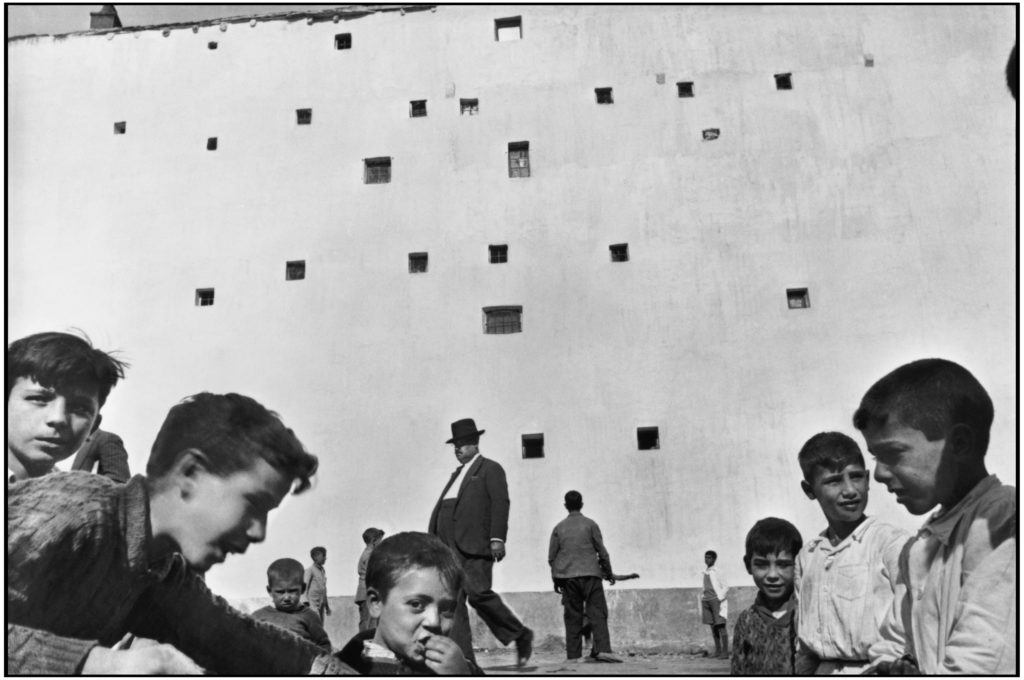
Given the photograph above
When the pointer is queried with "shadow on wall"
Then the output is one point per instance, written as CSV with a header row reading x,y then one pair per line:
x,y
663,620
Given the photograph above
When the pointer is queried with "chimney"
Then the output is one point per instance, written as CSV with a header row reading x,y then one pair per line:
x,y
105,18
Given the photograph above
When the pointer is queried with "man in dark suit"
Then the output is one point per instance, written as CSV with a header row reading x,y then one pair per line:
x,y
471,517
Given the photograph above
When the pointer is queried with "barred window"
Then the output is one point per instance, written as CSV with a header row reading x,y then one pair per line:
x,y
469,107
783,81
619,252
343,41
418,108
295,270
510,28
518,159
377,170
798,298
417,263
502,320
499,254
304,116
204,297
533,445
685,89
603,95
647,438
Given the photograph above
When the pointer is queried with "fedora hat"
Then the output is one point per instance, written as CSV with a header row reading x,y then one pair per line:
x,y
464,429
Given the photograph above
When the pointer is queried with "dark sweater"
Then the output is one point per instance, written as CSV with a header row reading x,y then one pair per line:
x,y
78,575
303,622
763,644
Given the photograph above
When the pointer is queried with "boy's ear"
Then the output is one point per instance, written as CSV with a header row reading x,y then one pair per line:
x,y
268,591
374,602
188,465
303,591
960,442
808,489
96,423
746,563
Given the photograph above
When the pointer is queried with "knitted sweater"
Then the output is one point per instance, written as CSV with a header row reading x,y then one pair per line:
x,y
763,644
303,622
79,574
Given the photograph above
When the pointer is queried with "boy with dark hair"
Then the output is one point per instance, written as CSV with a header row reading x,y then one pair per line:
x,y
927,425
412,581
846,575
89,560
371,537
56,384
764,639
315,580
284,583
714,606
579,561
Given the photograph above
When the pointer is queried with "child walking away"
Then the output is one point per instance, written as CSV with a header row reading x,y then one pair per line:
x,y
412,581
284,583
955,609
89,561
714,606
56,384
315,580
845,576
764,639
371,537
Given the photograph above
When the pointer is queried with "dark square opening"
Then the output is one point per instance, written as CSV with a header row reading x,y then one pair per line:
x,y
418,108
212,45
710,134
204,297
620,252
518,159
469,107
120,127
510,28
647,438
343,41
417,263
533,445
603,95
377,170
798,298
211,143
503,320
499,254
304,116
294,270
685,89
783,81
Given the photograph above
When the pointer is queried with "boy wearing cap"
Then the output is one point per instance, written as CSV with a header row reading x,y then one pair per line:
x,y
471,517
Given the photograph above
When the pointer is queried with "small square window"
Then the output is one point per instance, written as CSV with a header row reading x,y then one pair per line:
x,y
499,254
204,297
869,61
343,41
418,108
503,320
518,159
212,45
685,88
469,107
783,81
620,252
647,438
119,128
417,263
533,445
603,95
377,170
295,270
211,143
710,134
304,116
798,298
659,78
510,28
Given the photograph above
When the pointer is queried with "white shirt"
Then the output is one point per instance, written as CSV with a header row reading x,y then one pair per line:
x,y
844,591
453,490
955,608
714,587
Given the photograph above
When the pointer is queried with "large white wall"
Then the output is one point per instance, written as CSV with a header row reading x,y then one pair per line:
x,y
887,191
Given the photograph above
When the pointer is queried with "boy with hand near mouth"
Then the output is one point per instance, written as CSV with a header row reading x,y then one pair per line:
x,y
764,639
412,581
845,576
955,610
285,585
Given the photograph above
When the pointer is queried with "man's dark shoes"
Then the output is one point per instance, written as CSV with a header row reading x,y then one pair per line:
x,y
524,647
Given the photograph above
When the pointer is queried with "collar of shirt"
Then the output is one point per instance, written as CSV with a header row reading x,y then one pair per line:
x,y
943,523
822,540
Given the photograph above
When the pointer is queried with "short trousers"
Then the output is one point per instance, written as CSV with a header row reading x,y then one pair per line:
x,y
710,611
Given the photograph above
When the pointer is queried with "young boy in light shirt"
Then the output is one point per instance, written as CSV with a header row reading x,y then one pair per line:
x,y
846,575
955,611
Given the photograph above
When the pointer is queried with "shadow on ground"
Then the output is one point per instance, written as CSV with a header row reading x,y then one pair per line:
x,y
546,661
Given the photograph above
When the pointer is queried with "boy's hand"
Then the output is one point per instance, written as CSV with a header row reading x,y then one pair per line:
x,y
497,550
327,609
444,657
150,660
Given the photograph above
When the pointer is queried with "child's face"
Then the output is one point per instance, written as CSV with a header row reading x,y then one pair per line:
x,y
418,607
46,425
221,515
842,495
319,558
709,560
909,465
286,591
773,575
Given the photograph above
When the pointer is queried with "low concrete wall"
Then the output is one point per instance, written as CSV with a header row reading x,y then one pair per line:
x,y
657,620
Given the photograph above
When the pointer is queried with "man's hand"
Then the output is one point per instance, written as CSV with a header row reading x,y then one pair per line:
x,y
150,660
558,586
905,665
498,550
444,657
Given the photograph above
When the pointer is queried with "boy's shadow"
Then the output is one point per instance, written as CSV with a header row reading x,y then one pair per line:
x,y
511,668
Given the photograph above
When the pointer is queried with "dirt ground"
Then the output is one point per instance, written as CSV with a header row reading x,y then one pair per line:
x,y
546,661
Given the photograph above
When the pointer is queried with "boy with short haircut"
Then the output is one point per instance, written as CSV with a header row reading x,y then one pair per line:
x,y
284,583
412,582
764,639
371,537
56,384
927,425
714,606
846,575
315,580
89,560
